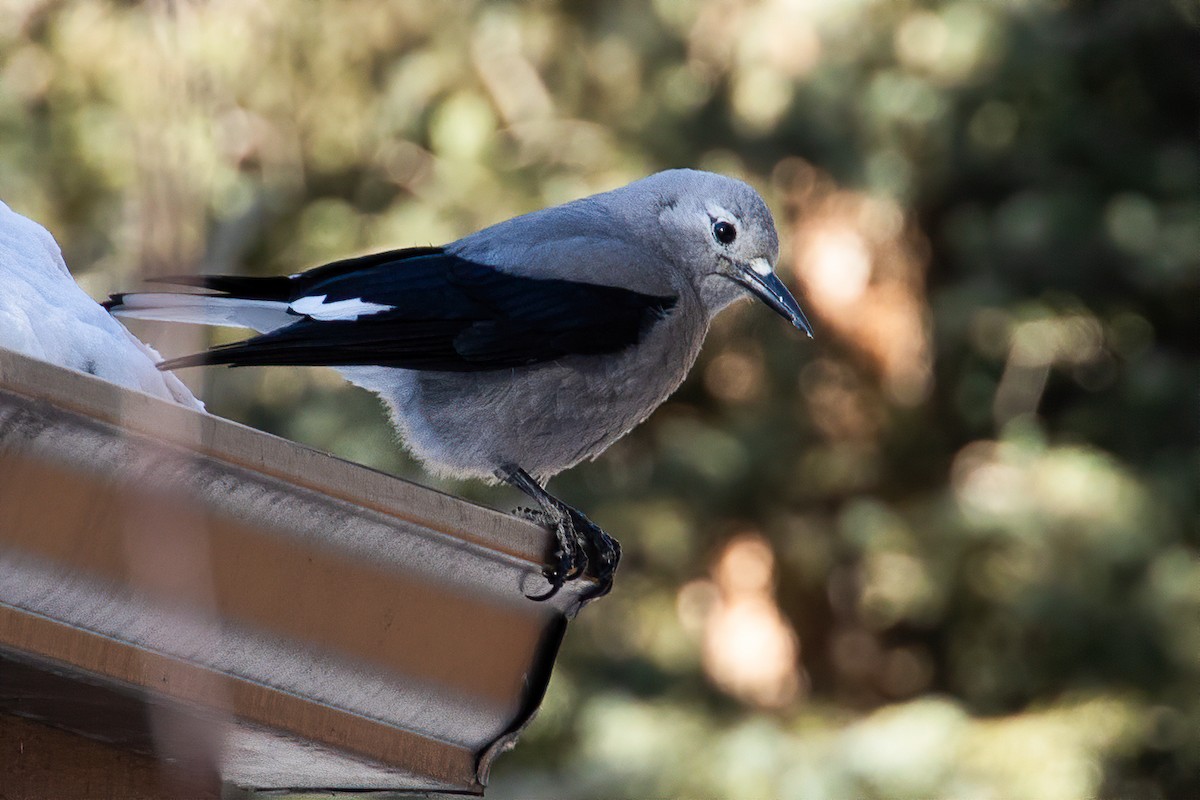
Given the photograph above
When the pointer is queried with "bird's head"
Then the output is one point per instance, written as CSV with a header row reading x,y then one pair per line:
x,y
719,231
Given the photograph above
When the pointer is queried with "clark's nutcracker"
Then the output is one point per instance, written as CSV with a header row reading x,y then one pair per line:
x,y
523,349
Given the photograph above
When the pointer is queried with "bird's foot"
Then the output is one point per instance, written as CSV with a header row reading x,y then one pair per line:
x,y
571,557
581,544
603,550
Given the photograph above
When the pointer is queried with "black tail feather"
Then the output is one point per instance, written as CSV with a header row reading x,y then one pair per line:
x,y
275,287
195,360
288,287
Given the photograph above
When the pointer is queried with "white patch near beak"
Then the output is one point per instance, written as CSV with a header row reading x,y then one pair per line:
x,y
761,267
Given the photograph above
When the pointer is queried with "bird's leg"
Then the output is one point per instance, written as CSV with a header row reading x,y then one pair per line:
x,y
571,553
577,535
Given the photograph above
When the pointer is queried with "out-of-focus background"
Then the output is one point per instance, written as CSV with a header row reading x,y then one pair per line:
x,y
949,548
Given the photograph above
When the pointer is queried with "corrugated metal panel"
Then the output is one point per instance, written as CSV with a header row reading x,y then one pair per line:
x,y
319,624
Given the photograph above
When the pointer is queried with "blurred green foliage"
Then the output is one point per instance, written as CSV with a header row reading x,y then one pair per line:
x,y
962,523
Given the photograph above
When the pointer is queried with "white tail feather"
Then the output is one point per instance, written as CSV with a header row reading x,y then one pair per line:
x,y
199,309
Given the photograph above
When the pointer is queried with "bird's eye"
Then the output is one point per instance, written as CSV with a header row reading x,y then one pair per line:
x,y
724,231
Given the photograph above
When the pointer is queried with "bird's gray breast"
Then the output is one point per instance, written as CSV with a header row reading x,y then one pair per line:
x,y
547,417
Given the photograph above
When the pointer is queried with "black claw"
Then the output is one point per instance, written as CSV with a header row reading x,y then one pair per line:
x,y
572,560
555,585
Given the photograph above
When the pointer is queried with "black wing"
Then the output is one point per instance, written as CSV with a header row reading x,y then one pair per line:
x,y
446,313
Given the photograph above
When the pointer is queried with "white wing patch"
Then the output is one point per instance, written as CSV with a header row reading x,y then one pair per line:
x,y
344,310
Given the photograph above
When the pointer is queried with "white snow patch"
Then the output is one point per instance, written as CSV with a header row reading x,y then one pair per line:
x,y
45,315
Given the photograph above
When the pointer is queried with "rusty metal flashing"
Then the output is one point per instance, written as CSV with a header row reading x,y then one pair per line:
x,y
318,624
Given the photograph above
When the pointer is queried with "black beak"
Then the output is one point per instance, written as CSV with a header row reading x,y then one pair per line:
x,y
758,278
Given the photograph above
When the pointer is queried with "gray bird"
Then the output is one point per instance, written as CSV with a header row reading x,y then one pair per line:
x,y
523,349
